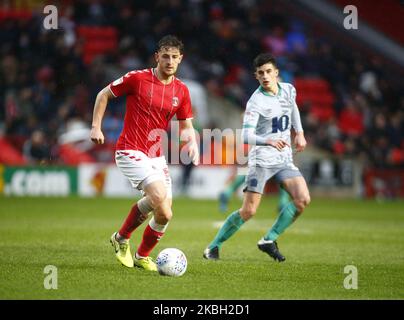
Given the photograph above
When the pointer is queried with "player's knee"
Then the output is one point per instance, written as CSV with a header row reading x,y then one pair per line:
x,y
167,212
165,219
302,202
307,200
163,216
168,216
247,213
157,197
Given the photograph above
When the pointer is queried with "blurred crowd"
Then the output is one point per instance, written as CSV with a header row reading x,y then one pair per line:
x,y
47,86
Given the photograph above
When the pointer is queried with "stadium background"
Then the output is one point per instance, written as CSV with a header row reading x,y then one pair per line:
x,y
349,84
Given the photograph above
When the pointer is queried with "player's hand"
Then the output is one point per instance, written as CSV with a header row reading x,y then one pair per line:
x,y
278,144
96,135
193,153
300,142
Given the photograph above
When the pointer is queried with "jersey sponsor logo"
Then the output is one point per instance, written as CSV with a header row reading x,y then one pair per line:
x,y
175,101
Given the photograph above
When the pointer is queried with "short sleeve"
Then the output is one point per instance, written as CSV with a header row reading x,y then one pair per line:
x,y
123,85
185,110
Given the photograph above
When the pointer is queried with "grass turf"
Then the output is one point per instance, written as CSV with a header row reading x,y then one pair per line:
x,y
73,235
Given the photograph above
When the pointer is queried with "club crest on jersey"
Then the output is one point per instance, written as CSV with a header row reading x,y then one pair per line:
x,y
175,101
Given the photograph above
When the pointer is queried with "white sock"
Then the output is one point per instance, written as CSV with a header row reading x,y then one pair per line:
x,y
262,240
157,227
137,256
144,205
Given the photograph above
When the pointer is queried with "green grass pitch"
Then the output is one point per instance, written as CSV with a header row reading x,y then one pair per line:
x,y
73,235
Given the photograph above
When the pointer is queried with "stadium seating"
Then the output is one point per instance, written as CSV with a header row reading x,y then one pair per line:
x,y
97,40
373,13
317,93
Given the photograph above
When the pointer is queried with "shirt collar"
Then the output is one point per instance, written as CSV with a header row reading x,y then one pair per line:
x,y
270,94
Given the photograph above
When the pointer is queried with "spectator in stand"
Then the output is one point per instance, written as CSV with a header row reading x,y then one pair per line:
x,y
296,40
36,149
351,120
42,70
379,127
395,131
275,42
44,93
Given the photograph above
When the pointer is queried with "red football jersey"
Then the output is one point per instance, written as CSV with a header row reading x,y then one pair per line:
x,y
150,105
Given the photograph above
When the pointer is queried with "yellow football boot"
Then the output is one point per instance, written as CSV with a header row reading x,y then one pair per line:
x,y
122,251
146,263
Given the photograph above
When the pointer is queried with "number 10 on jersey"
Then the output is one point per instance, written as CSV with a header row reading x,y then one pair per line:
x,y
280,124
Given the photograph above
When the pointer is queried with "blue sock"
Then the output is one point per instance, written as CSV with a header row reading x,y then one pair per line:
x,y
284,199
285,219
230,226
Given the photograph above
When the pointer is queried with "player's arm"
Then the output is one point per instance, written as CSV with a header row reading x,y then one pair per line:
x,y
249,136
298,139
187,134
100,105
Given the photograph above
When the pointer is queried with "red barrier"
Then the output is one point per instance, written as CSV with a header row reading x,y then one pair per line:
x,y
385,183
71,156
10,155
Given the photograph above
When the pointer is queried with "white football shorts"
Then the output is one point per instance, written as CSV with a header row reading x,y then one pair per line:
x,y
142,170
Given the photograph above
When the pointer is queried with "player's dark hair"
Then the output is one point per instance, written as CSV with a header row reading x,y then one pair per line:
x,y
262,59
170,41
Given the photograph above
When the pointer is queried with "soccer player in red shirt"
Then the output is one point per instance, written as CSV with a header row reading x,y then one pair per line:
x,y
154,96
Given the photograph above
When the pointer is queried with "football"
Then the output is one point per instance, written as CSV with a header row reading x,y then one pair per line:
x,y
171,262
